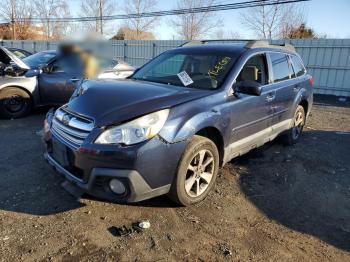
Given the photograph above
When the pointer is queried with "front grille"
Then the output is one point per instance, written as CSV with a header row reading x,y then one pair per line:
x,y
72,129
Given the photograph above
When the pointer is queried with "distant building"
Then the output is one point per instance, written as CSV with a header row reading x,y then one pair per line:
x,y
129,34
23,31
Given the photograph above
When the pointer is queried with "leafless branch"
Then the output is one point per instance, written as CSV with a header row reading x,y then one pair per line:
x,y
194,26
140,25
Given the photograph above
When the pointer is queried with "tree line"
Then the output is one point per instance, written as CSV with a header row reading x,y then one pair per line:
x,y
266,22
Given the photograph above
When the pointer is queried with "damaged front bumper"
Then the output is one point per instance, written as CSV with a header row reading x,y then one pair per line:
x,y
146,169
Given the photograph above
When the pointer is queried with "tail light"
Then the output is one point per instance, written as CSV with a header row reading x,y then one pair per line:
x,y
312,81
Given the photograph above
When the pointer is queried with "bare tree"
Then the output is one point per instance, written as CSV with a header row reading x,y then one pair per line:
x,y
140,25
63,29
194,26
225,34
98,9
292,18
48,9
273,21
18,13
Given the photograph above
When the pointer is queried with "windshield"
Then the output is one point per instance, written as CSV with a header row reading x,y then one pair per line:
x,y
38,59
190,69
20,53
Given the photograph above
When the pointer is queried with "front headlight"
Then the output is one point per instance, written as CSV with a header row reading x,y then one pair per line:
x,y
135,131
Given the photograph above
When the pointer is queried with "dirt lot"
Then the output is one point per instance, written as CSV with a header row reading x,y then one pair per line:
x,y
277,203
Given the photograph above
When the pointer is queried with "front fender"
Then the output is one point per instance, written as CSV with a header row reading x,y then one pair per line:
x,y
29,84
178,129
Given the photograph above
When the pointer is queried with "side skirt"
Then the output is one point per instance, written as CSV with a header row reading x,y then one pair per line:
x,y
258,139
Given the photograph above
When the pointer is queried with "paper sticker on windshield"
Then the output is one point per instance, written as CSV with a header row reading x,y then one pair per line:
x,y
185,78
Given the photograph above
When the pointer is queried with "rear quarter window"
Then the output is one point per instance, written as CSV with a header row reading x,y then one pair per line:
x,y
280,66
298,66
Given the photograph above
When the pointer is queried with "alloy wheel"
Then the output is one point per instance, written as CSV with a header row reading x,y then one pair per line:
x,y
200,172
298,124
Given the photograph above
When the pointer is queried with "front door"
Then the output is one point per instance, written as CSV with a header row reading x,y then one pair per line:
x,y
251,115
57,84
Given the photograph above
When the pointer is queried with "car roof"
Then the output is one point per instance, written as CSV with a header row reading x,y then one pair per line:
x,y
216,49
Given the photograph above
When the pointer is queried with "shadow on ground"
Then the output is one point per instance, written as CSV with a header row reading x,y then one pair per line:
x,y
331,101
305,188
28,185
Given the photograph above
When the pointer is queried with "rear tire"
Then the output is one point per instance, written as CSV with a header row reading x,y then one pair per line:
x,y
293,134
14,103
196,173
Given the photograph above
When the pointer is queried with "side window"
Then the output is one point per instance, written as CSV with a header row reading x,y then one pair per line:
x,y
254,70
298,66
57,66
280,67
66,64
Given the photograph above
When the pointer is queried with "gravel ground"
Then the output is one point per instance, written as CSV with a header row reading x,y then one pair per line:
x,y
276,203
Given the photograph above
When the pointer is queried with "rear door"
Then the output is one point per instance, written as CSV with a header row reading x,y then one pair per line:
x,y
284,85
57,85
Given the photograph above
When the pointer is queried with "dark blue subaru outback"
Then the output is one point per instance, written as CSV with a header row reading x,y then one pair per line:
x,y
170,126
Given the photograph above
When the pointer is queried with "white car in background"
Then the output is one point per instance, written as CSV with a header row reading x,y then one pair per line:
x,y
119,70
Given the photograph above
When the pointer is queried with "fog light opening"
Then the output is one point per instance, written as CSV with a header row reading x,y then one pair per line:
x,y
117,186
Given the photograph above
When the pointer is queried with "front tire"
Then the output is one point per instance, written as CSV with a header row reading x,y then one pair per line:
x,y
293,135
196,173
14,103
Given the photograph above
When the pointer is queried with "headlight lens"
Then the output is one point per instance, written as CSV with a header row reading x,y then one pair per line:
x,y
135,131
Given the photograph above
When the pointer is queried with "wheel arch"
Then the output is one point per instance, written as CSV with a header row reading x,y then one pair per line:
x,y
305,104
19,87
213,134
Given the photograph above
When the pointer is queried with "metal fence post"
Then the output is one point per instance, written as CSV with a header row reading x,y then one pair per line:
x,y
34,46
47,45
153,50
124,51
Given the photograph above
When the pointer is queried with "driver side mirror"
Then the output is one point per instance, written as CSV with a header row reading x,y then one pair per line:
x,y
248,87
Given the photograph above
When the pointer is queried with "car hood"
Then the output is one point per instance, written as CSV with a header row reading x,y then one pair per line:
x,y
110,102
9,56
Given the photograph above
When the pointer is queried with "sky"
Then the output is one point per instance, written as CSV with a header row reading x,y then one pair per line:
x,y
326,17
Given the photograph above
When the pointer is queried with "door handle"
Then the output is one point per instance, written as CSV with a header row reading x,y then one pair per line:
x,y
270,96
296,88
74,79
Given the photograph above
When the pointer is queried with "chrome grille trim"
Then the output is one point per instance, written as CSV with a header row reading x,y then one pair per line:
x,y
74,122
70,128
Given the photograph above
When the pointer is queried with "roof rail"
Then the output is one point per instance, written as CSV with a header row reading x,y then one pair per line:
x,y
266,44
249,44
203,42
